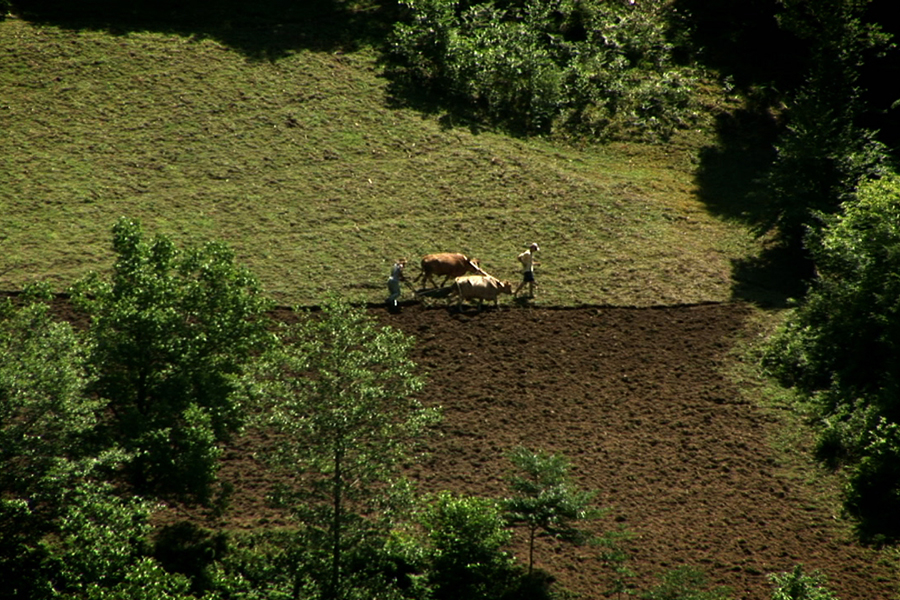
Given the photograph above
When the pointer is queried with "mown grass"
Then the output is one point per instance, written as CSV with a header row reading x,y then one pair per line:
x,y
319,180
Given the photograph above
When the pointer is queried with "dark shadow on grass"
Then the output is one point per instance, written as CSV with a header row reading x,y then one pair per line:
x,y
260,29
775,279
730,180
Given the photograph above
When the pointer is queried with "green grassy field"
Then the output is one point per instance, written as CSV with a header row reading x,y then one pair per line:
x,y
318,180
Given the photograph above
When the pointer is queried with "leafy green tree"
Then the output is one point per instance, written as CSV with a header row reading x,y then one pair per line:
x,y
797,585
467,536
545,500
45,411
841,347
45,418
343,398
64,530
824,153
172,332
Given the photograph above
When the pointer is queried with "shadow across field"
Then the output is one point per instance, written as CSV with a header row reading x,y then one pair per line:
x,y
730,178
261,30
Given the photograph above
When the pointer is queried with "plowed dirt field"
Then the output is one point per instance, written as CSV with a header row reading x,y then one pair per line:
x,y
638,401
636,398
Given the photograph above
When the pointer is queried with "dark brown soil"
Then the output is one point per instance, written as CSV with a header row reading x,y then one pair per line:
x,y
636,400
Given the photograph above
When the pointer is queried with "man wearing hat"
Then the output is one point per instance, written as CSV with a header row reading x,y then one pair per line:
x,y
527,260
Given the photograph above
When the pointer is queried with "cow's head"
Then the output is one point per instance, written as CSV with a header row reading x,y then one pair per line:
x,y
506,287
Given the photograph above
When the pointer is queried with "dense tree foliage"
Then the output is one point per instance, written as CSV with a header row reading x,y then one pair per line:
x,y
840,348
171,334
605,69
64,529
824,153
467,536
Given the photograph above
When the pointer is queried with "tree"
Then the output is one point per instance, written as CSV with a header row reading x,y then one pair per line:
x,y
342,395
823,154
45,411
841,347
545,500
172,333
64,529
467,536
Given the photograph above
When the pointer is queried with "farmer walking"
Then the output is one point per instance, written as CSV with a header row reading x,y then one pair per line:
x,y
393,282
527,260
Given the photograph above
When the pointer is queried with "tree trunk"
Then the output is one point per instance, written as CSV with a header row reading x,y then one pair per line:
x,y
337,481
532,529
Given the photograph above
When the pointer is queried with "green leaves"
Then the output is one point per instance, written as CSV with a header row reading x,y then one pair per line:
x,y
591,67
172,334
797,585
346,385
44,409
841,347
341,390
824,154
545,499
467,536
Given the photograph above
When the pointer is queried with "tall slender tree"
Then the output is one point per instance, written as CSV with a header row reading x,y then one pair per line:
x,y
545,500
344,398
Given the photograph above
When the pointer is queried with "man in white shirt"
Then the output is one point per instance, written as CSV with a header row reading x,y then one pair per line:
x,y
393,282
527,260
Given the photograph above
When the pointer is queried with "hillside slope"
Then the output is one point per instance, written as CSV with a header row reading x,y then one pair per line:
x,y
307,167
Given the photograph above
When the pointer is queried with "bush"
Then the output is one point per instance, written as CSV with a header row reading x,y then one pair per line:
x,y
841,348
590,67
799,586
466,537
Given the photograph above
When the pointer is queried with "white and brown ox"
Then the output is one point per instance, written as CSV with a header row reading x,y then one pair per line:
x,y
448,265
481,288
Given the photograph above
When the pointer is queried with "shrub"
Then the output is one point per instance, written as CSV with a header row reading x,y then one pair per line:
x,y
586,67
467,536
797,585
841,348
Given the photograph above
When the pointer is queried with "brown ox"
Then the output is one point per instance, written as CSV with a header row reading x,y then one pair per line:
x,y
447,265
481,288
